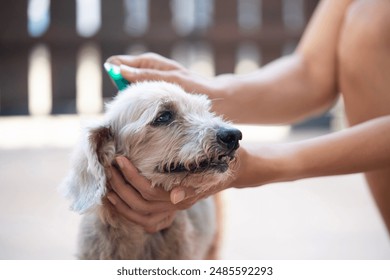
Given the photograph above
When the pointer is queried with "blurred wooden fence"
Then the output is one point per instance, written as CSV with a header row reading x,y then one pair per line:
x,y
266,24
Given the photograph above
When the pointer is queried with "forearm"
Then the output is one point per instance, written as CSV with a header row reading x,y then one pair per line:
x,y
284,91
360,148
291,88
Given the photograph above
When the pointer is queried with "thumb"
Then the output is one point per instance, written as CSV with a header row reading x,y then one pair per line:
x,y
179,194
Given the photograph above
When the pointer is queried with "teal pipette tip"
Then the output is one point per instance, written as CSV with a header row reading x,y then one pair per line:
x,y
115,74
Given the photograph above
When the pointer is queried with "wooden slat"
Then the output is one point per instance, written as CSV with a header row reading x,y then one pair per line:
x,y
160,24
113,39
272,44
14,80
225,14
13,58
272,12
64,44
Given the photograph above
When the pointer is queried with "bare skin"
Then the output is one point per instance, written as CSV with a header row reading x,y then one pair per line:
x,y
345,49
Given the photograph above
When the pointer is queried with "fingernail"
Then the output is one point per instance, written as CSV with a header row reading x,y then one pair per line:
x,y
111,199
179,196
119,160
129,69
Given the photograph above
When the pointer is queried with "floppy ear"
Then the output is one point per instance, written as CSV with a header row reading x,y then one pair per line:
x,y
86,183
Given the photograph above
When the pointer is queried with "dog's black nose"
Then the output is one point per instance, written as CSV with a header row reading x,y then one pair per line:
x,y
228,138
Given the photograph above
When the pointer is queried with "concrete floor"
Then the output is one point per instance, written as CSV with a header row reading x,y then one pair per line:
x,y
321,218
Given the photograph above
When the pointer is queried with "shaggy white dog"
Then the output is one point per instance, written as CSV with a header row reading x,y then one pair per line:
x,y
173,139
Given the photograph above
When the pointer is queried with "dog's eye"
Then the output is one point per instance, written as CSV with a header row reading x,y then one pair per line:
x,y
164,118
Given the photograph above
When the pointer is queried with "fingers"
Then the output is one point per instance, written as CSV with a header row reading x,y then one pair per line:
x,y
133,198
150,222
152,208
148,66
146,61
180,194
139,182
144,74
129,201
184,197
130,60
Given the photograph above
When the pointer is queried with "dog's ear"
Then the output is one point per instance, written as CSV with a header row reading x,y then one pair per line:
x,y
86,182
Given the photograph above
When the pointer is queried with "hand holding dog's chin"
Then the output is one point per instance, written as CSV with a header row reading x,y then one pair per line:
x,y
152,208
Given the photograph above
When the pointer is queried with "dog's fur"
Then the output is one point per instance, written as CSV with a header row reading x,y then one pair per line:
x,y
170,136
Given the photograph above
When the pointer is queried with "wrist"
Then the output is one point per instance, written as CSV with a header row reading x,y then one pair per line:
x,y
280,162
221,90
289,163
266,164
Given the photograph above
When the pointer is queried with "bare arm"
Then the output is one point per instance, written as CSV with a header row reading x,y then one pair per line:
x,y
286,90
296,86
361,148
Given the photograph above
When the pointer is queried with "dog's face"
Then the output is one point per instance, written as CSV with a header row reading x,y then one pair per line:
x,y
169,135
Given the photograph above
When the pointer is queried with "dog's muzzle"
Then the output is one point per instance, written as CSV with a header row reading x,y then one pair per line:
x,y
228,138
227,142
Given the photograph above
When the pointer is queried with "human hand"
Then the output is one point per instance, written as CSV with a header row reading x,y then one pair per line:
x,y
152,208
151,66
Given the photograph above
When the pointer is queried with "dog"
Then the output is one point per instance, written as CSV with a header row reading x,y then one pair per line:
x,y
173,139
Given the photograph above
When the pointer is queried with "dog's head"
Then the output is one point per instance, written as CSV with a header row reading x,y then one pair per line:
x,y
169,135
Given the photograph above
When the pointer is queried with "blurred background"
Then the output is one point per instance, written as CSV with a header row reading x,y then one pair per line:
x,y
52,82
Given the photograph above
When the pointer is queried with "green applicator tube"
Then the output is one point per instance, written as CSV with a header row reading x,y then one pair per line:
x,y
115,74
